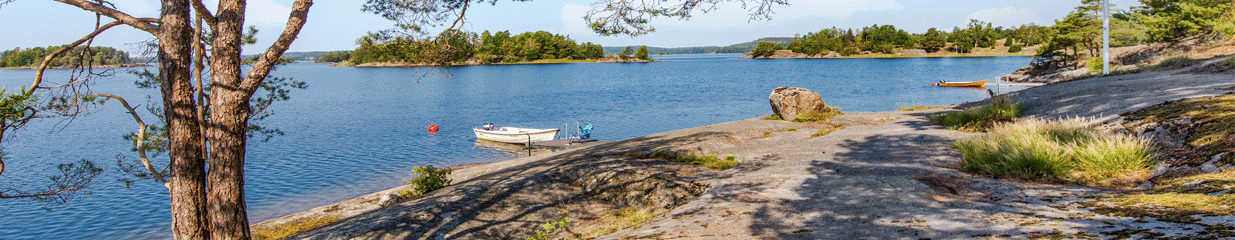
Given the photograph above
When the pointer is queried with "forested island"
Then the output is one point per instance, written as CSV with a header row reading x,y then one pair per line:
x,y
468,48
78,56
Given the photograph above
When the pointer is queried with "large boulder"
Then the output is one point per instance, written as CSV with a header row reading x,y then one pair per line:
x,y
789,102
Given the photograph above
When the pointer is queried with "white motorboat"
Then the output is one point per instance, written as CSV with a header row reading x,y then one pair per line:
x,y
514,134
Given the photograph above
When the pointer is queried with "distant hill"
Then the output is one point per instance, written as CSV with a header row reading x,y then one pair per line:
x,y
735,48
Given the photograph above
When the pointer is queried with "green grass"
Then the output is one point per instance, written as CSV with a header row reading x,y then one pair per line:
x,y
291,228
773,117
918,107
709,161
980,118
1058,151
818,116
1230,62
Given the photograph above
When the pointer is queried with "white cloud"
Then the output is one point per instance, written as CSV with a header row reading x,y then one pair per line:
x,y
572,18
1006,17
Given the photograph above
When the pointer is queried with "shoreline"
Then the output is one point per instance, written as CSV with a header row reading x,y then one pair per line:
x,y
96,66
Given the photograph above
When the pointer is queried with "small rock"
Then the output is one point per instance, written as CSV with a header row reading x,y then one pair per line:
x,y
1218,157
1209,167
389,199
1193,183
1161,169
1219,192
1145,186
1183,121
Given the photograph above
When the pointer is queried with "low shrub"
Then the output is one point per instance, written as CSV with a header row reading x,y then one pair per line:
x,y
428,178
1057,151
1230,62
980,118
818,116
546,230
1095,65
1015,48
773,117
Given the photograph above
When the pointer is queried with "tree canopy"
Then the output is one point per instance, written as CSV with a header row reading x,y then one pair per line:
x,y
77,56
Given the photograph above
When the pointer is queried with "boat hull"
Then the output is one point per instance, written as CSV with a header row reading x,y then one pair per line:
x,y
516,135
963,84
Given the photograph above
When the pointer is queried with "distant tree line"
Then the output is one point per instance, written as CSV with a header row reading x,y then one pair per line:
x,y
457,46
78,56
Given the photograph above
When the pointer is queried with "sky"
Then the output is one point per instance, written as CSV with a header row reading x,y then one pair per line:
x,y
336,24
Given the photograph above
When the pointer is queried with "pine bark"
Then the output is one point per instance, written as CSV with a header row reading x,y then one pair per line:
x,y
229,112
187,182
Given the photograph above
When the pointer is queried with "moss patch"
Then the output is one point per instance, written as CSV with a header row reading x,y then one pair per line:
x,y
1212,120
285,230
709,161
827,131
622,219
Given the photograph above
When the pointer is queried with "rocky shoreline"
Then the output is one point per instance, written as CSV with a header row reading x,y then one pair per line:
x,y
885,175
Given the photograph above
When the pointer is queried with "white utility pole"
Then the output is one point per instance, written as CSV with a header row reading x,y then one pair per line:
x,y
1106,37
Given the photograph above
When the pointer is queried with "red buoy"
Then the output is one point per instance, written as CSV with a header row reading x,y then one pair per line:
x,y
432,128
932,84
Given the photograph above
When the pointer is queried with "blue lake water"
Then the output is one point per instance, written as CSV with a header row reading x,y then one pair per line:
x,y
358,130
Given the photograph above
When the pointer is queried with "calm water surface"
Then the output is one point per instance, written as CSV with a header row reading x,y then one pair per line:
x,y
359,130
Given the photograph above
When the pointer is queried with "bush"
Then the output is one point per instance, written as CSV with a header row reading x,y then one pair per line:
x,y
1015,48
1095,64
1055,151
427,179
980,118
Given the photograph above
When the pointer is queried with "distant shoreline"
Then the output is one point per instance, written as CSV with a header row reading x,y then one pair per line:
x,y
95,66
477,63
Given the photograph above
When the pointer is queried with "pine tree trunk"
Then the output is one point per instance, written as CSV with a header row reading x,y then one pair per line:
x,y
229,113
187,182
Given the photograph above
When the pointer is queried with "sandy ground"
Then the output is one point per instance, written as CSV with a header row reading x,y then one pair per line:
x,y
887,175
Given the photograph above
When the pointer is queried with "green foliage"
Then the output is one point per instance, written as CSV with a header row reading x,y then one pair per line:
x,y
626,53
1079,31
427,179
1015,48
546,230
291,228
765,49
334,57
709,161
932,41
1053,151
980,118
1095,64
642,53
78,56
455,47
818,116
1230,62
1167,20
774,116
